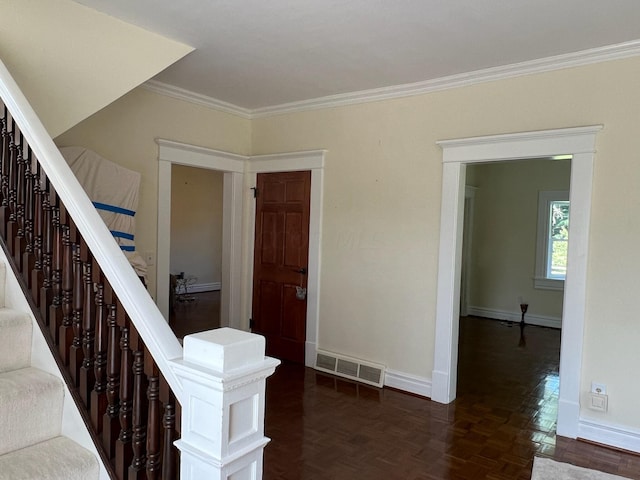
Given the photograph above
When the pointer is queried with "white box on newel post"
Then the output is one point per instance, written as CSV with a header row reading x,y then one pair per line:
x,y
223,374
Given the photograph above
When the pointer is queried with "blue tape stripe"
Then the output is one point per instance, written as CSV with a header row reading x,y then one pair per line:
x,y
127,248
125,235
113,208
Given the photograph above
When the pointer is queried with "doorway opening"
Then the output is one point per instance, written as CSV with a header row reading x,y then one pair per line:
x,y
457,154
239,175
506,359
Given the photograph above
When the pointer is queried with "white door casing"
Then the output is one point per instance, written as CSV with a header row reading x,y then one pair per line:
x,y
578,142
232,166
239,176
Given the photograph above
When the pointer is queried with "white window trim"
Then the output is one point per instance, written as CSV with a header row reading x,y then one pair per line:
x,y
540,279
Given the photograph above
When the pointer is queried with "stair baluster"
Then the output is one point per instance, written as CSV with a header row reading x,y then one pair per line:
x,y
154,430
76,354
19,244
99,392
45,293
38,223
28,257
87,378
66,329
4,172
55,308
124,453
169,467
139,438
13,161
110,421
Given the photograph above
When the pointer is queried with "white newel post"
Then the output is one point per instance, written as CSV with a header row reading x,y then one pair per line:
x,y
223,373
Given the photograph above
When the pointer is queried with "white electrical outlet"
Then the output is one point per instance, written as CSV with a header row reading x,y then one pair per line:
x,y
149,258
599,388
599,403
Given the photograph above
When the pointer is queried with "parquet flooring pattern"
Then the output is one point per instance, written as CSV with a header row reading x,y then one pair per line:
x,y
326,428
198,315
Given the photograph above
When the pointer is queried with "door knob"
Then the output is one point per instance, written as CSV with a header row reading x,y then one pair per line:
x,y
302,270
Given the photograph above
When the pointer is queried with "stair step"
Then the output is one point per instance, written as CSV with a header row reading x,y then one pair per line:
x,y
30,408
15,340
55,459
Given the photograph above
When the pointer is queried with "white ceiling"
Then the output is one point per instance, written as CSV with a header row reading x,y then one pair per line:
x,y
262,53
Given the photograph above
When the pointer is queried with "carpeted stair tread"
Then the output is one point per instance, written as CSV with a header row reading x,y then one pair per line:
x,y
15,340
56,459
30,408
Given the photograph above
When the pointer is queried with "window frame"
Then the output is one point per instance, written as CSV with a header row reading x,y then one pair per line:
x,y
545,198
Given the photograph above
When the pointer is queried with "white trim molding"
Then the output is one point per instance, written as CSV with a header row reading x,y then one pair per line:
x,y
579,142
170,152
240,174
197,98
530,319
613,435
548,64
407,382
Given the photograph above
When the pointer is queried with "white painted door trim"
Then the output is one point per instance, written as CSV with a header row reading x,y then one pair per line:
x,y
233,167
286,162
467,238
237,267
579,142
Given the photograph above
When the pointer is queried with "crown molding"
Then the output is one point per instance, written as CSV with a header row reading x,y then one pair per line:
x,y
197,98
548,64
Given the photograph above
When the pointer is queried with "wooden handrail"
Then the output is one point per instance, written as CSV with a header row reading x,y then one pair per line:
x,y
151,325
125,369
113,345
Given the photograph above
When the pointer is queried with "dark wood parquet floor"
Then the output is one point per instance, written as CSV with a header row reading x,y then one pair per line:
x,y
323,427
199,312
327,428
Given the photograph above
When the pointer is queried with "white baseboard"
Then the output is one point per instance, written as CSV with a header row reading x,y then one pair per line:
x,y
613,435
204,287
568,417
407,383
492,313
310,353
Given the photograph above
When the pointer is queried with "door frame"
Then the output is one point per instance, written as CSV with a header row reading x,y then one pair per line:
x,y
291,162
240,173
232,166
578,142
467,239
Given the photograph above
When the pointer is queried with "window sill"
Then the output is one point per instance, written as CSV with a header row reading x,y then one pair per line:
x,y
548,284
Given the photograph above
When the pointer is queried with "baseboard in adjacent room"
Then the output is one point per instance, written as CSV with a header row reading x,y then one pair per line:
x,y
531,319
204,287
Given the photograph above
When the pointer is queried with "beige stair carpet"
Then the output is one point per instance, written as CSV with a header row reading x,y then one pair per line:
x,y
31,406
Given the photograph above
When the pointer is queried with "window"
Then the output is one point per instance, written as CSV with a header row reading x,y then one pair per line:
x,y
553,239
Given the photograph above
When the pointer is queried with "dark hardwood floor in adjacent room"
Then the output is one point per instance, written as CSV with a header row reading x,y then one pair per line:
x,y
201,312
326,428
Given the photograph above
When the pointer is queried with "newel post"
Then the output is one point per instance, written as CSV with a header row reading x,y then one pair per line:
x,y
223,374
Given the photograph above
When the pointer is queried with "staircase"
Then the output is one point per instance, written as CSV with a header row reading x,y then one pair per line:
x,y
31,410
100,375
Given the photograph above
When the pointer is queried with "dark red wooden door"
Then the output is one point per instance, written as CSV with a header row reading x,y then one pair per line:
x,y
280,262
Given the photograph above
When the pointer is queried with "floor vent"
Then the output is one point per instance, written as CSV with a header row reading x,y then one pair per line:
x,y
352,368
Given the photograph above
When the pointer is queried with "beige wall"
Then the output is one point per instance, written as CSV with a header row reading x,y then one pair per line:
x,y
382,206
505,218
70,61
125,133
196,223
382,194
